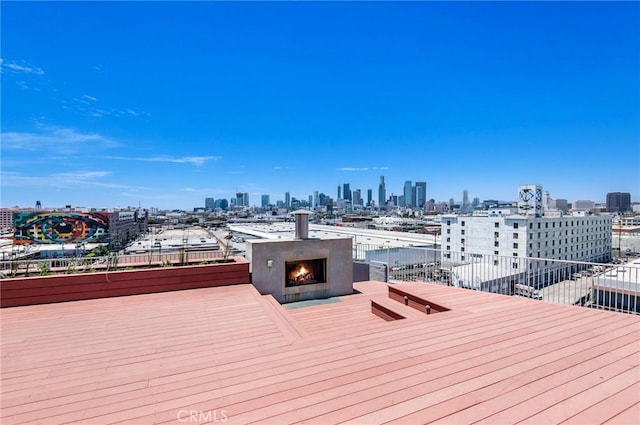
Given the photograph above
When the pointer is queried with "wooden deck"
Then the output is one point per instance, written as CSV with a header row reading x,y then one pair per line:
x,y
230,355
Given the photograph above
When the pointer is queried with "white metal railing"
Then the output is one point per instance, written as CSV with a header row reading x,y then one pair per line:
x,y
596,285
78,264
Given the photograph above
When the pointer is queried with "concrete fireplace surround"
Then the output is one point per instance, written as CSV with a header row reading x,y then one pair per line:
x,y
267,260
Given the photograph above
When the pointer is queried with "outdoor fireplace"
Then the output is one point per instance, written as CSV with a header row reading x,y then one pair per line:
x,y
305,272
301,268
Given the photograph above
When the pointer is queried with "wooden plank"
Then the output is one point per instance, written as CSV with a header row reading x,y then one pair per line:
x,y
605,410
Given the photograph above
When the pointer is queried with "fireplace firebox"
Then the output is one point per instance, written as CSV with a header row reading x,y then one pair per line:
x,y
305,272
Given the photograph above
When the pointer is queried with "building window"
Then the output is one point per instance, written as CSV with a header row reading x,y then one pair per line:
x,y
448,222
448,231
462,232
462,257
496,225
515,265
496,244
515,236
462,223
495,262
448,239
462,249
462,240
515,245
448,248
530,225
496,252
496,234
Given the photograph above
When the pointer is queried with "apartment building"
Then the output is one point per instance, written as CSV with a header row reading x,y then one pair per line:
x,y
572,237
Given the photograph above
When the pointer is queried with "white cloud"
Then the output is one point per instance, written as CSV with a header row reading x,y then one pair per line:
x,y
54,140
17,68
62,180
194,160
362,168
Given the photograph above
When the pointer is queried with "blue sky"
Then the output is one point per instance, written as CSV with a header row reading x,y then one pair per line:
x,y
108,104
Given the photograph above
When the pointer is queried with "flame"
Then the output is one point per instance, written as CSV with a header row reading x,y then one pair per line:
x,y
302,270
301,274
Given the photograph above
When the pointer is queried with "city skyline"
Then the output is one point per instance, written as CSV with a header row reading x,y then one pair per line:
x,y
166,104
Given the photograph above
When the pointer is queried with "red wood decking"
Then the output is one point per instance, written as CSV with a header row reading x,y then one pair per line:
x,y
229,355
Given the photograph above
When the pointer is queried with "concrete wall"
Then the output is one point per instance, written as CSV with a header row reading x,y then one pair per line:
x,y
361,272
270,279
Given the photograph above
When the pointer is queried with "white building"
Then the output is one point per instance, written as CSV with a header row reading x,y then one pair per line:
x,y
572,238
500,235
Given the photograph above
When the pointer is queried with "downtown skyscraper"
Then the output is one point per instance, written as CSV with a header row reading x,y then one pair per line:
x,y
382,193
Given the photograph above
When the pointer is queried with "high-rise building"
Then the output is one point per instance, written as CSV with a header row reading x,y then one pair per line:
x,y
209,203
408,192
369,197
6,218
356,197
562,205
346,192
583,205
382,193
465,198
310,204
339,192
223,204
618,202
265,201
421,194
287,200
316,201
242,199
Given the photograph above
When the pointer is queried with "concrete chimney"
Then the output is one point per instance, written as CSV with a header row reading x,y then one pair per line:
x,y
302,224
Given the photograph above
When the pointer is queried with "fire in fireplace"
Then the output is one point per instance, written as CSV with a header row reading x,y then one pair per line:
x,y
305,272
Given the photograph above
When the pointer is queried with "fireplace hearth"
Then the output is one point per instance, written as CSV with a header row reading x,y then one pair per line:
x,y
305,272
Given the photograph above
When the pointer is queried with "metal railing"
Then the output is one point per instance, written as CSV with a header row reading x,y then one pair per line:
x,y
589,284
114,261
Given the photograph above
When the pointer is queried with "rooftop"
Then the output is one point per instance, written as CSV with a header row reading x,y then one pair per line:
x,y
230,354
